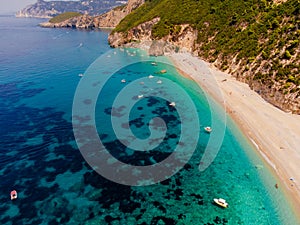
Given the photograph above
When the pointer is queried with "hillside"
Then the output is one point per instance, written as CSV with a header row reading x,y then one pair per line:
x,y
49,9
106,20
64,16
257,41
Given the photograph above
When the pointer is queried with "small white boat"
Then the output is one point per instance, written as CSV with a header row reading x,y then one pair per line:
x,y
208,129
221,202
81,74
172,104
13,195
123,81
140,96
150,76
159,82
153,64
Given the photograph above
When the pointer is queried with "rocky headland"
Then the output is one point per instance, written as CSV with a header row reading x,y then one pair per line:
x,y
49,9
109,19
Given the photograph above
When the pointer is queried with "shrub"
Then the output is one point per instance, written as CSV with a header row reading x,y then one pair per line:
x,y
287,54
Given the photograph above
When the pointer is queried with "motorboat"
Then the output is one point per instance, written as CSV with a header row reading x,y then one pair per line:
x,y
161,72
221,202
172,104
208,129
13,195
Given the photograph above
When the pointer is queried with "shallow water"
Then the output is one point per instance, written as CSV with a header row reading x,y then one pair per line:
x,y
40,158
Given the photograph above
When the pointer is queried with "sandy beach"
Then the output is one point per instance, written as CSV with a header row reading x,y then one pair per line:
x,y
274,133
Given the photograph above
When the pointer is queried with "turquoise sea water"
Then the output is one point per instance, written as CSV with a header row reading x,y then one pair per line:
x,y
40,158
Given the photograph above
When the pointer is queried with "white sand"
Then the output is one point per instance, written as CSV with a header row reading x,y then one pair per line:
x,y
274,133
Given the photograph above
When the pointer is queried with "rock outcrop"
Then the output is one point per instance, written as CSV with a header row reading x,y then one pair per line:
x,y
137,34
113,17
81,22
141,36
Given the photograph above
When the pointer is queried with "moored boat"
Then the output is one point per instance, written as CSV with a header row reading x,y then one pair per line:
x,y
172,104
221,202
13,195
208,129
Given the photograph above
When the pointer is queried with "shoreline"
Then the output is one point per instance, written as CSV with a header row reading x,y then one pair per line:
x,y
272,132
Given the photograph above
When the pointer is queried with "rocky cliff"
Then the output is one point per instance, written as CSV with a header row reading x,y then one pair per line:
x,y
260,47
48,9
106,20
141,36
113,17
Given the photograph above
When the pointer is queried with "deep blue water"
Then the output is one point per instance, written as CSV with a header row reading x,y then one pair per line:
x,y
39,156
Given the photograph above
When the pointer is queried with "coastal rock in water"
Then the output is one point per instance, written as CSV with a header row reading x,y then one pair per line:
x,y
83,22
116,39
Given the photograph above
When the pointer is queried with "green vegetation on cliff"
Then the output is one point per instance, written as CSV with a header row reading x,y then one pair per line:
x,y
261,37
64,16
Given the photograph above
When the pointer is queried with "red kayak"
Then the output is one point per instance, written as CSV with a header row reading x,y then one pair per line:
x,y
13,195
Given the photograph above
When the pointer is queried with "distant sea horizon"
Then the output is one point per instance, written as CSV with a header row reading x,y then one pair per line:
x,y
40,71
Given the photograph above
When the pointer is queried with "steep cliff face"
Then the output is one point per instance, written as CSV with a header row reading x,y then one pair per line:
x,y
141,36
110,19
113,17
133,4
140,33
